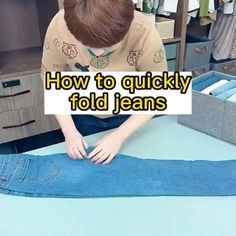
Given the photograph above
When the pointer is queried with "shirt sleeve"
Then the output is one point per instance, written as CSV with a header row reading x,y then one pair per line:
x,y
153,56
52,59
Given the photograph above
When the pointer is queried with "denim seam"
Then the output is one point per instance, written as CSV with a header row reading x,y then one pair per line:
x,y
3,175
41,180
24,170
51,177
16,164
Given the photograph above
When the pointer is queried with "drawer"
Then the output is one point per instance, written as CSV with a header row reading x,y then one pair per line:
x,y
171,65
228,67
198,52
25,122
171,50
199,70
20,92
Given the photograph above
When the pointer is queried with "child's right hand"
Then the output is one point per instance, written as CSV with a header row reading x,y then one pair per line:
x,y
75,145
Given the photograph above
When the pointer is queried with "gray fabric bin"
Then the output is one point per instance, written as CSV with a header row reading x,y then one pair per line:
x,y
211,115
198,52
228,67
197,71
229,125
207,115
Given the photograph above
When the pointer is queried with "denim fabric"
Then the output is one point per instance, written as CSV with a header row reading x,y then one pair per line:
x,y
227,94
206,83
89,124
58,176
231,84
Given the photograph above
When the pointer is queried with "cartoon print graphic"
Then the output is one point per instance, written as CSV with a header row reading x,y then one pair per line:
x,y
56,43
57,66
100,62
133,56
159,55
69,50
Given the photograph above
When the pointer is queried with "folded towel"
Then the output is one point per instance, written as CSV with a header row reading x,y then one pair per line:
x,y
227,94
231,84
214,86
232,98
206,83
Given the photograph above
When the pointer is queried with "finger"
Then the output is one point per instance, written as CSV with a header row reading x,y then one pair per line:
x,y
77,153
109,159
71,154
94,152
82,150
98,156
103,158
85,144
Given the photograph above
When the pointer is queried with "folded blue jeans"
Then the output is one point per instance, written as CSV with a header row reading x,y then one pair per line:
x,y
58,176
231,84
227,94
89,124
206,83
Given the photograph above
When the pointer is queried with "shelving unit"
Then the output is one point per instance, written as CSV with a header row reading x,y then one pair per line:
x,y
20,61
195,29
23,24
174,40
180,32
21,42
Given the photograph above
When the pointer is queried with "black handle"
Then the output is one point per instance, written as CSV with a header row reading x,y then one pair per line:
x,y
14,95
17,126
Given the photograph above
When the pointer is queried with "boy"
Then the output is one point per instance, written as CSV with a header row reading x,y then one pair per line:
x,y
101,35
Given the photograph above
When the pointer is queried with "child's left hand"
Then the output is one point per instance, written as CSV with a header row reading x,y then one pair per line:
x,y
106,148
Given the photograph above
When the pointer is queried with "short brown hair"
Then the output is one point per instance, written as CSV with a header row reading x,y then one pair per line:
x,y
99,23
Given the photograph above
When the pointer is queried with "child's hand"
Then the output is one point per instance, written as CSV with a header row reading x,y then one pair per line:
x,y
75,145
106,149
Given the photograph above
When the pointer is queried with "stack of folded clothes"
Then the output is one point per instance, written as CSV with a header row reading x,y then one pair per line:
x,y
220,88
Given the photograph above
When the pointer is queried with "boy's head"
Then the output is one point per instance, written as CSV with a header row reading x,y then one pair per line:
x,y
99,23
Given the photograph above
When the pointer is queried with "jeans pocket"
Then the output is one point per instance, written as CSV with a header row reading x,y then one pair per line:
x,y
39,170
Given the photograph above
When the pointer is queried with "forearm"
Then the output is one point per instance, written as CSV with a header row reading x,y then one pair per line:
x,y
66,123
132,124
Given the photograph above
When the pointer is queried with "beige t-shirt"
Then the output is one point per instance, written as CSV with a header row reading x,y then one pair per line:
x,y
141,49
